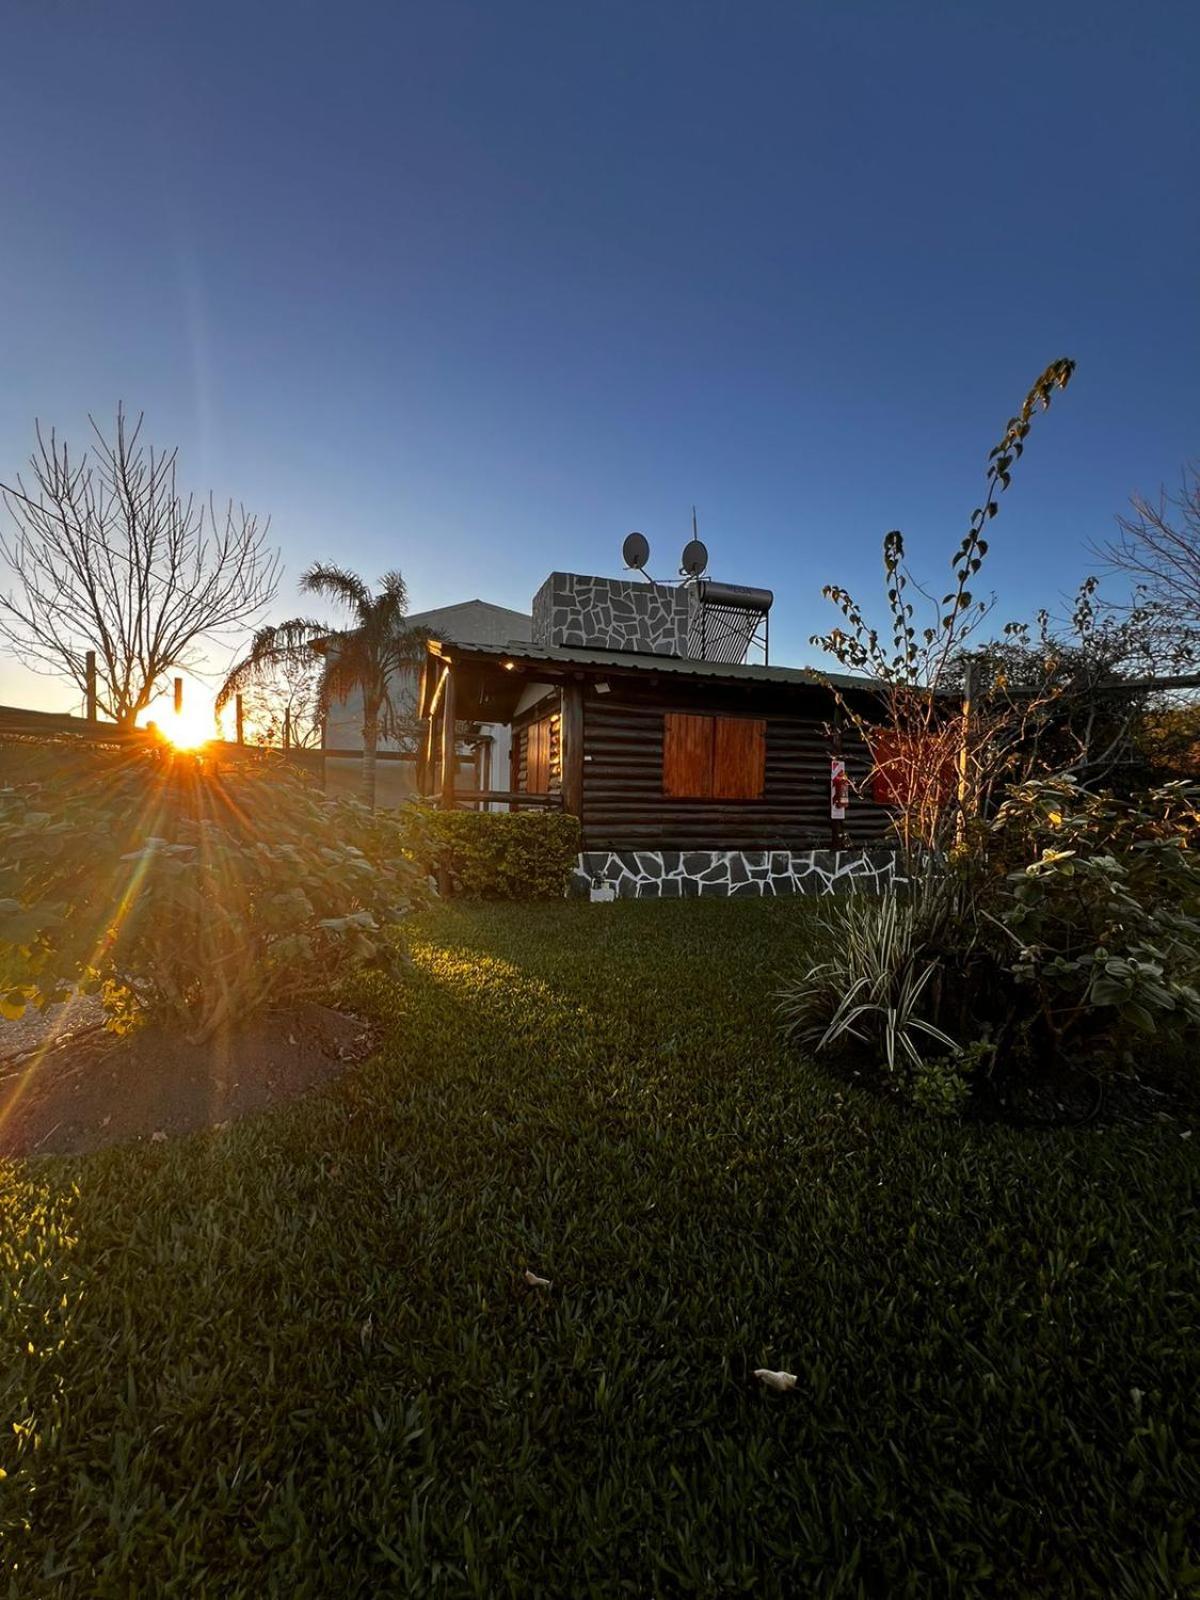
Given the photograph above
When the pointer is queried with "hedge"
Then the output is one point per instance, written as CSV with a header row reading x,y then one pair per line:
x,y
496,855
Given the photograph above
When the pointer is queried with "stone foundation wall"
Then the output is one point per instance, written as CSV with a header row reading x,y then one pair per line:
x,y
678,874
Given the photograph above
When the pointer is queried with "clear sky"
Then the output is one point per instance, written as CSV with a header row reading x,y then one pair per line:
x,y
473,290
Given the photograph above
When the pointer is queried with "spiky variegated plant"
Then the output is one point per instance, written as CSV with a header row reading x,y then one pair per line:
x,y
366,658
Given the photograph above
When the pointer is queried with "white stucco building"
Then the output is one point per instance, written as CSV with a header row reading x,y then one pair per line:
x,y
476,622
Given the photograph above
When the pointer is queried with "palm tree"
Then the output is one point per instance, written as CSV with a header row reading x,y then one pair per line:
x,y
369,657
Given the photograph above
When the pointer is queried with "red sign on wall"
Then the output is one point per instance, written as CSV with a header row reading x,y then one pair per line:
x,y
903,766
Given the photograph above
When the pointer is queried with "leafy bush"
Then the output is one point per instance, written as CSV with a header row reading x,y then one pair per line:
x,y
1103,920
1065,937
496,855
188,895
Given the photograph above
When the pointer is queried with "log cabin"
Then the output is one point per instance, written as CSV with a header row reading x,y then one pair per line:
x,y
692,770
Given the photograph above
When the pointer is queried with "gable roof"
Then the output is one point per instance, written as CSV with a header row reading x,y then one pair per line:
x,y
476,622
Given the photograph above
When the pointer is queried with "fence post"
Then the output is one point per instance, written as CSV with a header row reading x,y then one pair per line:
x,y
91,685
238,719
287,728
178,696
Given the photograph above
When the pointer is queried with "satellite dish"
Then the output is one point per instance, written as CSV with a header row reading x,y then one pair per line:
x,y
695,559
636,550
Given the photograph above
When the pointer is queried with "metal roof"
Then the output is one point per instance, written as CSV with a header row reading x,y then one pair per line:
x,y
524,653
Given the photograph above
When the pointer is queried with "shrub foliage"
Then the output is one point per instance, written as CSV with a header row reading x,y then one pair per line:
x,y
188,895
1065,933
517,855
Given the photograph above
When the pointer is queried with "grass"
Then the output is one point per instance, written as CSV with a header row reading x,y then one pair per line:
x,y
299,1357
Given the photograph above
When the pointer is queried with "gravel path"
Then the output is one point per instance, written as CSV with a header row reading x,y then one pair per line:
x,y
41,1027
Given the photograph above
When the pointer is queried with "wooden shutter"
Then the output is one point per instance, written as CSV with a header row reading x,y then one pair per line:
x,y
739,758
687,756
537,758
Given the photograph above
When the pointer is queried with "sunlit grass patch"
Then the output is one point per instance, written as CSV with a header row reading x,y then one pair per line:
x,y
300,1356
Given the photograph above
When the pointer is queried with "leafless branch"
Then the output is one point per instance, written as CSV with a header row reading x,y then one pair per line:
x,y
107,554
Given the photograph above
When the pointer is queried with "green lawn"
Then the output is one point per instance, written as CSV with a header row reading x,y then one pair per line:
x,y
299,1358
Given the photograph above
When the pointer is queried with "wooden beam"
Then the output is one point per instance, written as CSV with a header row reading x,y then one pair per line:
x,y
448,740
550,801
90,669
571,734
239,717
431,730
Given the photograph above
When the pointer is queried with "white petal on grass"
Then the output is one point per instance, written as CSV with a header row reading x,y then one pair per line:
x,y
775,1380
534,1282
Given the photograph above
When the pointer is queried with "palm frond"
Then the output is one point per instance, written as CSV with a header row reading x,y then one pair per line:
x,y
339,584
269,645
393,588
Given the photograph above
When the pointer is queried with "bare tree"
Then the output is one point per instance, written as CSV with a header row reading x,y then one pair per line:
x,y
933,752
1159,548
281,693
108,555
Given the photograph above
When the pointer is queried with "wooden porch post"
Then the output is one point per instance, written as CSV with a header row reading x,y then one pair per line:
x,y
429,775
572,748
448,740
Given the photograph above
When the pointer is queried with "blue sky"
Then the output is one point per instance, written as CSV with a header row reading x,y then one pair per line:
x,y
473,290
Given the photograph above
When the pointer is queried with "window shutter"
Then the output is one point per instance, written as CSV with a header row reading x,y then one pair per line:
x,y
739,758
687,756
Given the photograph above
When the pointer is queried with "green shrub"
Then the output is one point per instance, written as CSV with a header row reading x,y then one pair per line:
x,y
187,895
495,855
1100,928
1066,937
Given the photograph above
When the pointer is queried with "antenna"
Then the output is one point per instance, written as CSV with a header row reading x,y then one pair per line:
x,y
635,552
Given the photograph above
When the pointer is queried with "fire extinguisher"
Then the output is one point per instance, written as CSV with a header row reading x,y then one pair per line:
x,y
839,789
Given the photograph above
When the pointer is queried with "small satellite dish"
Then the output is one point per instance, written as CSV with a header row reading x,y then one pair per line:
x,y
635,552
695,559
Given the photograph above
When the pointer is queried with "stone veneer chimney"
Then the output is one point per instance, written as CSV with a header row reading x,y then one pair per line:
x,y
611,614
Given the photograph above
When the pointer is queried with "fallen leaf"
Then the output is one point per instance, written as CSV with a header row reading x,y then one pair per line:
x,y
534,1282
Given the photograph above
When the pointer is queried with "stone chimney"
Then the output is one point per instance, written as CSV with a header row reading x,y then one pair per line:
x,y
611,614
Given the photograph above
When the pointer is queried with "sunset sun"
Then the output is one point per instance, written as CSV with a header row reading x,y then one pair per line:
x,y
187,729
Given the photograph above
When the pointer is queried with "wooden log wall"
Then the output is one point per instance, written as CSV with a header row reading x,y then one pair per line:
x,y
519,758
623,800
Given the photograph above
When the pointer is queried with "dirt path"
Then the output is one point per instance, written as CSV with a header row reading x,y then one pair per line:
x,y
87,1089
